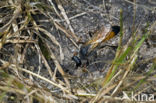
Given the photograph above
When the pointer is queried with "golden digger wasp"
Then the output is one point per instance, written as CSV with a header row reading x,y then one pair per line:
x,y
102,35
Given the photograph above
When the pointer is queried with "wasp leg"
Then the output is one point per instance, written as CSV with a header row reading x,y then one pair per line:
x,y
87,63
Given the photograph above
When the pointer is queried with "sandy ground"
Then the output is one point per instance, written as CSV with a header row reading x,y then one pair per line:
x,y
87,16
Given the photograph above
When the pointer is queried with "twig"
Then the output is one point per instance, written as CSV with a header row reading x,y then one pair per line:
x,y
41,77
20,41
57,64
67,33
65,17
15,15
73,17
145,7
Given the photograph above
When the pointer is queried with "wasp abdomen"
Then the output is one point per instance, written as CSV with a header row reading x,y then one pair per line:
x,y
84,51
116,29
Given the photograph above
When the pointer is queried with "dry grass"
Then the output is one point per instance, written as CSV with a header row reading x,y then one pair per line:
x,y
19,81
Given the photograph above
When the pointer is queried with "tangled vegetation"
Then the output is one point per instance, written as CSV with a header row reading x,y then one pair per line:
x,y
33,37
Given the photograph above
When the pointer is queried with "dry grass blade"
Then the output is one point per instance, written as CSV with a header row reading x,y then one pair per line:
x,y
44,60
66,18
102,91
142,90
20,41
60,69
17,46
53,39
29,94
51,53
51,82
15,15
11,84
60,27
103,97
5,29
10,89
27,45
43,78
73,17
142,6
4,65
54,8
98,97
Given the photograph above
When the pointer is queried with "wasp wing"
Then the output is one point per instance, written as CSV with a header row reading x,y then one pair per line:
x,y
99,37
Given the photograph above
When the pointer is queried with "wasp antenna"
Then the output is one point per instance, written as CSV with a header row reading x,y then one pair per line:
x,y
116,29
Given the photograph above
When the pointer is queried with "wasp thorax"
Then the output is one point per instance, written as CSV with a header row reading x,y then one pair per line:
x,y
84,51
